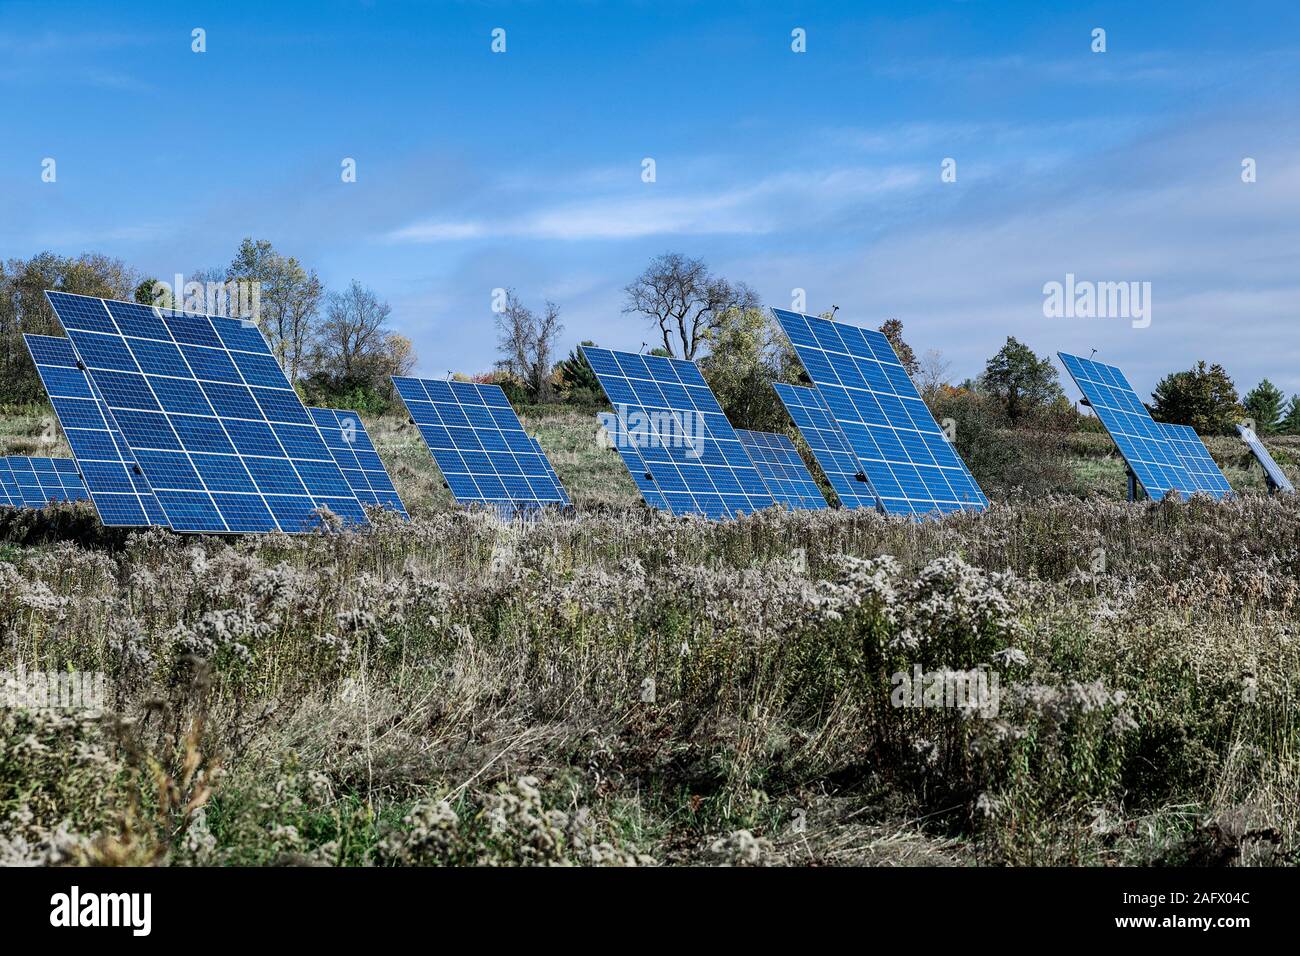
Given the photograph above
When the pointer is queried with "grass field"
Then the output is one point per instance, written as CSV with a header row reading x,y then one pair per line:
x,y
614,687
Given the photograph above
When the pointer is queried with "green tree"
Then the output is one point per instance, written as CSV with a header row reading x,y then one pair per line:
x,y
893,330
576,379
1264,404
24,308
290,300
1291,419
1022,382
1203,397
150,292
746,352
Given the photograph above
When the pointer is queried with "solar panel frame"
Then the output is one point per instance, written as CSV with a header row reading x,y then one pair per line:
x,y
787,477
1144,445
1272,469
222,438
829,446
699,466
39,482
346,437
908,461
117,487
480,445
1198,461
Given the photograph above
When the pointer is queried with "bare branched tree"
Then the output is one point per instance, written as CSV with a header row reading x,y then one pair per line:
x,y
527,344
352,343
933,372
685,300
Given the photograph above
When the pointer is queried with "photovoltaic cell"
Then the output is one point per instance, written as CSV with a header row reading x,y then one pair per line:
x,y
550,470
219,434
479,444
349,442
1271,468
645,482
782,470
694,455
36,482
1144,444
1197,460
828,444
911,467
117,486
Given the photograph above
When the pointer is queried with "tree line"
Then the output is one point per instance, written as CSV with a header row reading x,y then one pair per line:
x,y
337,347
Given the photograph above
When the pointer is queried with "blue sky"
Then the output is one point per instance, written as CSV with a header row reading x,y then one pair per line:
x,y
816,170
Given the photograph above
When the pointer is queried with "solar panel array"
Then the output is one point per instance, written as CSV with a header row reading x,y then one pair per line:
x,y
349,442
1144,444
829,446
694,455
117,487
479,444
909,463
36,482
627,450
1277,477
782,470
1196,458
208,415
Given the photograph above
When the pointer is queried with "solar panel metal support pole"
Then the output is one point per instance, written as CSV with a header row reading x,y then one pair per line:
x,y
1134,494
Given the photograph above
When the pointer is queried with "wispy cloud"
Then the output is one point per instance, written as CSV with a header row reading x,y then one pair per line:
x,y
776,202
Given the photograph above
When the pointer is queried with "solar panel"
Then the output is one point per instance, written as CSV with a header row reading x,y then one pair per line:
x,y
479,444
219,434
623,444
698,463
829,446
9,496
1276,476
1196,458
1144,444
117,486
550,470
908,461
36,482
782,470
348,441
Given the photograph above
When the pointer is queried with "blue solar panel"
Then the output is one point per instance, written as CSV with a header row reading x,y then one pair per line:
x,y
1277,477
782,470
1197,460
625,444
909,463
117,486
349,442
10,497
481,448
550,470
693,453
828,445
1144,444
36,482
220,436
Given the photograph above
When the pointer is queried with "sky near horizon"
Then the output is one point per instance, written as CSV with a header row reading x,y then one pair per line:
x,y
818,170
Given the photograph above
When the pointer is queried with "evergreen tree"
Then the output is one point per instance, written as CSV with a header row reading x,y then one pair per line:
x,y
1264,405
1291,419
